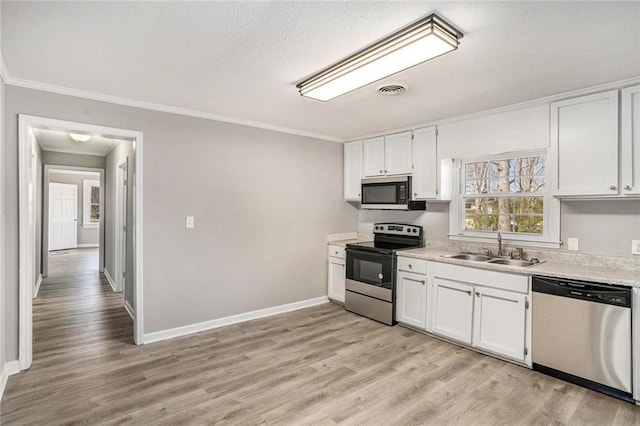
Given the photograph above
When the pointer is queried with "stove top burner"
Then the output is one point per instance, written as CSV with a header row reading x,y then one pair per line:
x,y
390,237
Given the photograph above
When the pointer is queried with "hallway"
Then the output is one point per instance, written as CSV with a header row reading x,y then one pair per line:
x,y
78,322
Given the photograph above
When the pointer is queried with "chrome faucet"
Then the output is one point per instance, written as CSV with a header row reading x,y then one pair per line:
x,y
500,244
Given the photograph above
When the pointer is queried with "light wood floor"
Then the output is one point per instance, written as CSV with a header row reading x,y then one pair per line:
x,y
321,365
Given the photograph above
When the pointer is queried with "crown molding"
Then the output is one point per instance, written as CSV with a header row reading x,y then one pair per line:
x,y
508,108
61,90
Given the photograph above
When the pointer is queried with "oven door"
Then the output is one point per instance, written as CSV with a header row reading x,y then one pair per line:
x,y
371,268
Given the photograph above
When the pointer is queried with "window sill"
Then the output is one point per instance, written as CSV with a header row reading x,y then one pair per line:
x,y
90,225
520,242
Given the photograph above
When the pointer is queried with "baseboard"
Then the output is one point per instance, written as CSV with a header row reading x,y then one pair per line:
x,y
9,369
128,308
37,289
111,282
88,245
233,319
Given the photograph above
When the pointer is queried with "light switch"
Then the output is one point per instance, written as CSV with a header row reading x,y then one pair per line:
x,y
572,244
190,222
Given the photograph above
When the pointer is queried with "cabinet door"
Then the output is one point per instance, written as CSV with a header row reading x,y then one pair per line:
x,y
452,309
337,277
352,170
584,145
499,323
630,158
373,156
397,154
425,169
411,306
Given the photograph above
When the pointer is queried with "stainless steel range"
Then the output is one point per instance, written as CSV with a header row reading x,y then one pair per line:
x,y
371,270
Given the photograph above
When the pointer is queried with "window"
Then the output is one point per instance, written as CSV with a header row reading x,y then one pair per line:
x,y
506,193
91,203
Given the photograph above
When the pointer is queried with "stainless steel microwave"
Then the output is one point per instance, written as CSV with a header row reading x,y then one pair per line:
x,y
389,193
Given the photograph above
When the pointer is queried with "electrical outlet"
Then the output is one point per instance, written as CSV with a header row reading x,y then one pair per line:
x,y
572,244
635,247
189,223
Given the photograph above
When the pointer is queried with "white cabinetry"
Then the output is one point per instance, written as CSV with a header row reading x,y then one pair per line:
x,y
336,274
387,155
411,303
484,309
499,322
352,170
432,179
584,145
630,143
452,310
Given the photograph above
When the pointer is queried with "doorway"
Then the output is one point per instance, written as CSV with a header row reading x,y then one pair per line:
x,y
29,238
63,216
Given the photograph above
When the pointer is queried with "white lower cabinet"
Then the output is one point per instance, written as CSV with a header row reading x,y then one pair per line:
x,y
499,322
336,275
452,310
411,305
479,308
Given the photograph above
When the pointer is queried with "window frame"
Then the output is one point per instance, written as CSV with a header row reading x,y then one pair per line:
x,y
87,184
550,238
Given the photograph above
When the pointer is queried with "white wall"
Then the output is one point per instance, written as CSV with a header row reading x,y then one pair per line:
x,y
3,311
263,203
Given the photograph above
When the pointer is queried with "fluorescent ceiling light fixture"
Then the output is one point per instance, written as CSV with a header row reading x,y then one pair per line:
x,y
80,137
423,40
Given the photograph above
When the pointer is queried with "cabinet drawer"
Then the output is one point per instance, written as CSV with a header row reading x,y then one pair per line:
x,y
483,277
410,264
336,251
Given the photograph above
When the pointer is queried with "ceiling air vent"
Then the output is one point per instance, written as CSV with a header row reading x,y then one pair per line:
x,y
392,89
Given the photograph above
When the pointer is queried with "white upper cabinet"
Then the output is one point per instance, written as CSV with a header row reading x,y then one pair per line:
x,y
387,155
397,154
425,164
352,170
584,145
373,156
630,144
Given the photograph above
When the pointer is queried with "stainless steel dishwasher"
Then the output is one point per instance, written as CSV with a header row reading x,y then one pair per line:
x,y
581,333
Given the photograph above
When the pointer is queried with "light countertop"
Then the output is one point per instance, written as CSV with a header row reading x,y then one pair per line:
x,y
546,268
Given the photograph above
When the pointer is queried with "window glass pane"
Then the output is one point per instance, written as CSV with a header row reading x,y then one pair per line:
x,y
530,224
95,195
95,213
476,186
476,170
529,205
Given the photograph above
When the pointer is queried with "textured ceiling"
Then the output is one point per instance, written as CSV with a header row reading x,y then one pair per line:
x,y
243,59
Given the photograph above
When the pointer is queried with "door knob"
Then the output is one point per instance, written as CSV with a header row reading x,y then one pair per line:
x,y
612,187
477,293
469,292
627,187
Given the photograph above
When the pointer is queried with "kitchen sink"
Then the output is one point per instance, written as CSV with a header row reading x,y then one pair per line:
x,y
468,256
514,262
493,259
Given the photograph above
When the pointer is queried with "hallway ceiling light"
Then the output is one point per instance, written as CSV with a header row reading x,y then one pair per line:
x,y
423,40
80,137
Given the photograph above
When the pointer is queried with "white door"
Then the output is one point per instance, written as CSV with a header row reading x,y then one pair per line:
x,y
63,216
452,310
397,154
352,170
121,227
500,322
411,307
373,156
337,277
425,164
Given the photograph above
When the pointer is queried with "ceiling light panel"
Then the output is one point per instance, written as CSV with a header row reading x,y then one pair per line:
x,y
426,39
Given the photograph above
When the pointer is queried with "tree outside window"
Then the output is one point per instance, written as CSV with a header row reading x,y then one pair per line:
x,y
505,195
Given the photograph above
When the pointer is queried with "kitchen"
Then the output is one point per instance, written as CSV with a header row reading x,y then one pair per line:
x,y
237,157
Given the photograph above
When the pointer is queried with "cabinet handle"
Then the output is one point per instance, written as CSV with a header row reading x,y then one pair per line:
x,y
410,266
612,187
358,195
385,171
627,187
381,171
422,281
415,194
477,293
336,252
469,292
